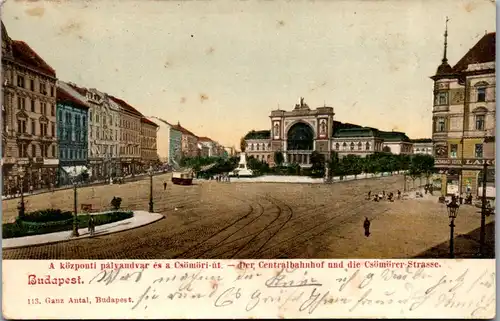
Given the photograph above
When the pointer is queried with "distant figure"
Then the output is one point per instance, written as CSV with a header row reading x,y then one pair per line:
x,y
369,194
31,189
91,225
383,194
366,226
399,194
164,185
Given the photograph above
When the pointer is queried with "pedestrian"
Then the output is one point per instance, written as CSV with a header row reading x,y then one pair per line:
x,y
91,225
366,226
399,194
369,194
31,189
164,186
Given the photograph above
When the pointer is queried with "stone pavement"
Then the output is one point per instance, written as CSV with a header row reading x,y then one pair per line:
x,y
140,218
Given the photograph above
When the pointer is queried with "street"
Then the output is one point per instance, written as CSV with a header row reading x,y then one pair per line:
x,y
214,220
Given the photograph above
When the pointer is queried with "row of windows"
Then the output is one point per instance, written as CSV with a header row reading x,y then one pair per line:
x,y
77,120
106,134
41,86
104,150
77,135
22,128
105,120
353,146
44,150
478,150
130,150
21,104
73,154
259,146
441,97
479,124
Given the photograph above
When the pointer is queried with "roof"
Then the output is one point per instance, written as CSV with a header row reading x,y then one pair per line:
x,y
258,134
421,140
23,53
205,139
394,136
65,97
183,130
483,51
147,121
357,132
125,105
161,120
339,125
80,90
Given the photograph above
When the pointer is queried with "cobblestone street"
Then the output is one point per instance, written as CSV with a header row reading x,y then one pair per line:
x,y
256,220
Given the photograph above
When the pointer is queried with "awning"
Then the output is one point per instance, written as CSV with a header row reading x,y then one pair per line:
x,y
74,171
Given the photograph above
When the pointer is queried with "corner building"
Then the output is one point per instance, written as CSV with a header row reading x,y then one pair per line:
x,y
29,134
463,129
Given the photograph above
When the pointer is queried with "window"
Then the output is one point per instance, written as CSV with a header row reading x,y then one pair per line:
x,y
21,126
367,147
43,130
481,94
52,110
60,115
258,146
43,89
33,150
33,127
453,150
479,151
22,150
53,129
441,125
20,81
479,122
33,105
51,91
441,98
32,84
359,145
352,146
20,102
71,154
53,151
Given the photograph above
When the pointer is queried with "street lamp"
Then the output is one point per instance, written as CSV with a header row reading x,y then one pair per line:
x,y
452,214
75,209
150,189
21,207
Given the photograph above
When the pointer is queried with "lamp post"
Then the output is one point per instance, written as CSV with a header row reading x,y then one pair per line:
x,y
21,206
74,233
151,189
452,214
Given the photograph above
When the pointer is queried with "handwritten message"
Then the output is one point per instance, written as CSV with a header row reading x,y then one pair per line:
x,y
242,289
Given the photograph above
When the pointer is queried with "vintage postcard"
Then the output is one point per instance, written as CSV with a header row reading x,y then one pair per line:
x,y
248,159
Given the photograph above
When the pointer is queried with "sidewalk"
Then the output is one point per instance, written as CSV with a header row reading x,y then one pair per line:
x,y
466,245
140,218
96,183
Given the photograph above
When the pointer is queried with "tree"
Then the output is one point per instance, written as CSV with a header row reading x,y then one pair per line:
x,y
243,144
278,158
352,165
421,165
334,164
317,164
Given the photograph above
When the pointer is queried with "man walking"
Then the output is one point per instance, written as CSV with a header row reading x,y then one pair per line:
x,y
164,186
91,225
366,226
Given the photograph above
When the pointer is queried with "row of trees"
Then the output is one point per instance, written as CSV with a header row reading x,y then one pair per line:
x,y
414,165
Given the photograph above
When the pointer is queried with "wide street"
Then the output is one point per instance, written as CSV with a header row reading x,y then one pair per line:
x,y
255,220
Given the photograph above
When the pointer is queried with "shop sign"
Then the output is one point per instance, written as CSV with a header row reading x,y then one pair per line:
x,y
466,162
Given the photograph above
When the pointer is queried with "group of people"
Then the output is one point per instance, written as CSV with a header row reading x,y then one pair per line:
x,y
383,196
221,177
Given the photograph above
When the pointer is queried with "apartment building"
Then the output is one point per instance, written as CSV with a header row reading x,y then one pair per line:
x,y
29,135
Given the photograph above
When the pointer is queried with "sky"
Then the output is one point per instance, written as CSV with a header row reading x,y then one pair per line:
x,y
219,67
